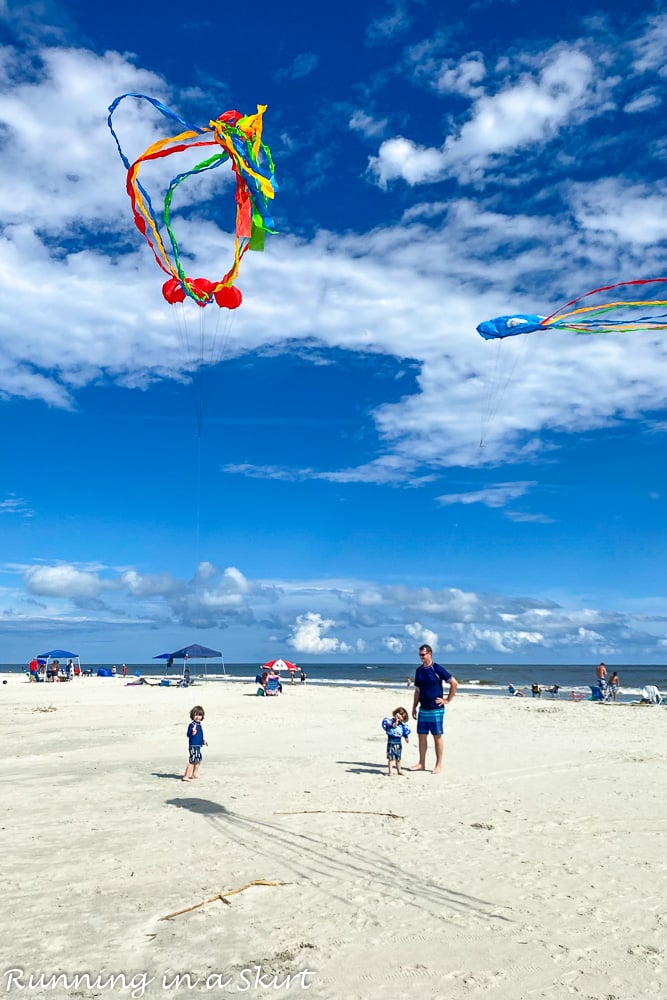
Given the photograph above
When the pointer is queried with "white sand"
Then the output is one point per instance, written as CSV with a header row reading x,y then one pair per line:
x,y
533,867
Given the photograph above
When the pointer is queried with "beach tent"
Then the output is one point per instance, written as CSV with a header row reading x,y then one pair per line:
x,y
59,654
196,652
192,652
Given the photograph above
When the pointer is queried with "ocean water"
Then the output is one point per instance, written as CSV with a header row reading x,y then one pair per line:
x,y
488,679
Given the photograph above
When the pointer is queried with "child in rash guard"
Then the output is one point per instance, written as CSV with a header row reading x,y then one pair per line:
x,y
195,742
396,730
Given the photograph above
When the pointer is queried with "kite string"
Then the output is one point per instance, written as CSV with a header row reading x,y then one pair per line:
x,y
499,385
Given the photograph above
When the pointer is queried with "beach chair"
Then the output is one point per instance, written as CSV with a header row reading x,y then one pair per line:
x,y
272,686
599,694
651,695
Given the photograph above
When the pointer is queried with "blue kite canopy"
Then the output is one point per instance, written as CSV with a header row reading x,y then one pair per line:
x,y
510,326
57,653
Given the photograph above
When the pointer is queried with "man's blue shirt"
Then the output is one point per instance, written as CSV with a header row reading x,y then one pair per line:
x,y
429,681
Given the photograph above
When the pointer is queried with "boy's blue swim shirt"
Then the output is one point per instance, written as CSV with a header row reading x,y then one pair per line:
x,y
196,739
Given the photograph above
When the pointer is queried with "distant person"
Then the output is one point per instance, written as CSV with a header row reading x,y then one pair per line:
x,y
553,690
124,668
536,690
33,667
614,685
196,741
430,701
514,692
54,670
397,731
408,682
601,674
303,676
113,670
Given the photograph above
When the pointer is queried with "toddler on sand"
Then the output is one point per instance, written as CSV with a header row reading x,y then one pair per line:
x,y
195,742
396,730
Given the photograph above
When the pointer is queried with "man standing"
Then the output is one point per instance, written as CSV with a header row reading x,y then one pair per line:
x,y
601,674
430,700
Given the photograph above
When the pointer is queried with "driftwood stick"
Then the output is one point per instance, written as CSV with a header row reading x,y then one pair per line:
x,y
222,896
357,812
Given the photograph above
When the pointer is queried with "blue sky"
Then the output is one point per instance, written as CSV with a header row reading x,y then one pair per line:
x,y
319,492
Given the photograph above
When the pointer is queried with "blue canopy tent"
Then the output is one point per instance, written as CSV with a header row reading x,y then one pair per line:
x,y
192,652
59,654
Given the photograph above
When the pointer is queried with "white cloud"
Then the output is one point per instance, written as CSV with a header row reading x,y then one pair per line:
x,y
307,635
403,158
462,77
526,518
632,213
505,641
645,101
650,47
362,122
422,635
234,578
389,25
530,111
63,581
493,496
144,585
80,181
527,113
15,505
302,65
341,620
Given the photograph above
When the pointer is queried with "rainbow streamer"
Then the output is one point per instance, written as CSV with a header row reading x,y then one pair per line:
x,y
232,137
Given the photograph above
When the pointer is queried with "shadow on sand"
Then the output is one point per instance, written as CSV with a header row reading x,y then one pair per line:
x,y
311,858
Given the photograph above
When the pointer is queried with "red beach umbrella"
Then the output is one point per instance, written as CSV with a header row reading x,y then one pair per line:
x,y
280,664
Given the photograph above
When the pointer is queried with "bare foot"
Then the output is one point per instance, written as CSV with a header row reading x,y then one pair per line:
x,y
436,770
417,767
186,779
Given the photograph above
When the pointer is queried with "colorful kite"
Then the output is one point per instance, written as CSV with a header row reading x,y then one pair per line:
x,y
585,319
233,137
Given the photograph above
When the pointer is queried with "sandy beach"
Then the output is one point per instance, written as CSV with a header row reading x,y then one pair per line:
x,y
534,867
